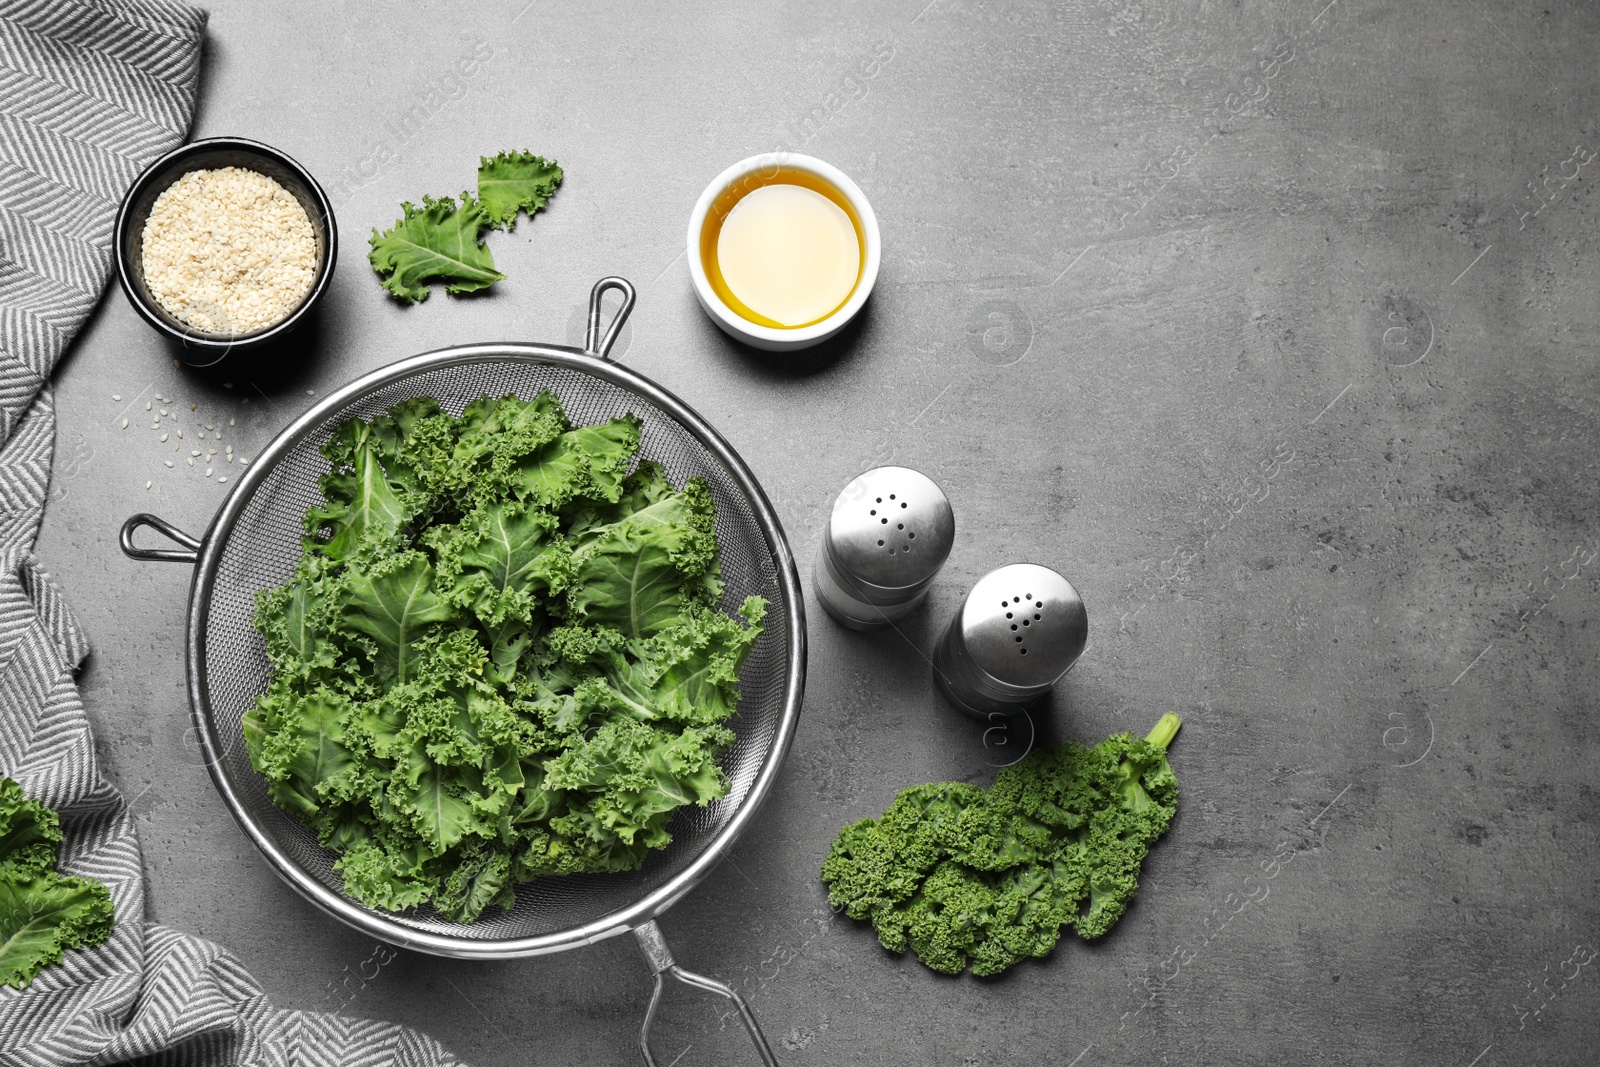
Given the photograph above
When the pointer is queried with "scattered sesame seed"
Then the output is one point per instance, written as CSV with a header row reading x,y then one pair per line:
x,y
233,422
148,405
190,462
311,392
177,448
164,438
180,435
168,462
124,424
208,472
230,450
227,385
201,435
175,363
193,406
246,400
211,451
222,481
210,427
196,452
243,462
148,484
117,397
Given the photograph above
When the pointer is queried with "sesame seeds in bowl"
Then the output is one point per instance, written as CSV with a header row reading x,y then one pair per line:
x,y
228,251
224,244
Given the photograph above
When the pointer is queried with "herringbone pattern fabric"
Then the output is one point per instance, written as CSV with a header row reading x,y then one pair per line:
x,y
90,92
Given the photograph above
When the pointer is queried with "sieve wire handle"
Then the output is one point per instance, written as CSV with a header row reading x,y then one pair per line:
x,y
593,343
659,956
191,545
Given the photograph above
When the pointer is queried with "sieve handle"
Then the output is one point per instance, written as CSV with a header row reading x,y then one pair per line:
x,y
659,956
593,343
191,545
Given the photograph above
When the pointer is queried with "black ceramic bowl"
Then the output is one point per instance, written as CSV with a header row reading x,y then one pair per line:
x,y
198,347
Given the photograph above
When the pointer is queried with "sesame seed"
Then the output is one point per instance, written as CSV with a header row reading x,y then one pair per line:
x,y
148,484
180,435
201,435
148,405
210,427
311,392
222,481
227,385
190,462
196,452
124,424
243,462
208,472
230,450
228,250
211,451
164,438
193,406
246,400
117,397
233,422
168,462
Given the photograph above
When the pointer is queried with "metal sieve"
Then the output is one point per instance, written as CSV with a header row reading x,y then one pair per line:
x,y
254,543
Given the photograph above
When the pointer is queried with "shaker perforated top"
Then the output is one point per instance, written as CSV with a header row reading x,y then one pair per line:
x,y
891,529
1024,625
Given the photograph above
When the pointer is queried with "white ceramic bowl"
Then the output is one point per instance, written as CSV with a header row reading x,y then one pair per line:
x,y
772,338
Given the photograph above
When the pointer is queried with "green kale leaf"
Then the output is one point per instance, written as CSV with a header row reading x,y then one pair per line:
x,y
515,181
438,243
985,878
42,913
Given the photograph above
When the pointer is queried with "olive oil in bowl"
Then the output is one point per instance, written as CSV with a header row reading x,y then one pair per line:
x,y
783,248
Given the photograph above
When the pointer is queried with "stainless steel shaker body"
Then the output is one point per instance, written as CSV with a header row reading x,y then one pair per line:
x,y
890,531
1021,629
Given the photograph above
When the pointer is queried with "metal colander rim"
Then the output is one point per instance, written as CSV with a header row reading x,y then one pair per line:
x,y
378,925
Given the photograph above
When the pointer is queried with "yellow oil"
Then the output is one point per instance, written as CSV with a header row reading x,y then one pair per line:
x,y
783,248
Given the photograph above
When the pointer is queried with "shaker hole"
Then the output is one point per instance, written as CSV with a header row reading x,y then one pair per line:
x,y
911,535
884,521
880,500
1019,640
902,503
1024,651
1008,614
874,511
1038,603
1013,626
900,526
1036,618
1025,622
880,544
891,496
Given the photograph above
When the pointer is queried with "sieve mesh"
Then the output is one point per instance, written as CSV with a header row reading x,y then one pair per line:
x,y
262,546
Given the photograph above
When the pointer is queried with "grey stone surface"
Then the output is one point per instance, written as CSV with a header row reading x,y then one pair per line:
x,y
1304,399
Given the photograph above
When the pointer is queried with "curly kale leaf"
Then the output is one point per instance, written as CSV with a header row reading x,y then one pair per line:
x,y
647,572
985,878
440,242
43,913
499,658
516,181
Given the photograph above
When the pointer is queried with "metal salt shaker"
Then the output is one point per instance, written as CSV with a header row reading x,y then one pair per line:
x,y
1018,633
890,532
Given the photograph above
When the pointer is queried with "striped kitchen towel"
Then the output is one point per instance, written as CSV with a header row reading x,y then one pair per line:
x,y
91,91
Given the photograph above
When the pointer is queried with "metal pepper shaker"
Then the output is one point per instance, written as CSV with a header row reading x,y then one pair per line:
x,y
1019,631
890,531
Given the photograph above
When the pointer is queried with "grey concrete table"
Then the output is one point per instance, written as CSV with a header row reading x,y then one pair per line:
x,y
1273,326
